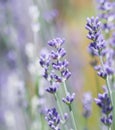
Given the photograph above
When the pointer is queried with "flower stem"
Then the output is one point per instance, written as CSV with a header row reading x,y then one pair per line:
x,y
70,108
107,81
60,110
65,88
59,105
72,116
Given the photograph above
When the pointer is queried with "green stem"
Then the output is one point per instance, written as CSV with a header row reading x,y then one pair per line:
x,y
70,108
86,124
72,116
97,83
109,128
60,111
107,81
109,90
65,88
59,105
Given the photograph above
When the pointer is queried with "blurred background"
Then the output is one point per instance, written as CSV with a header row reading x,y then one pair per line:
x,y
25,28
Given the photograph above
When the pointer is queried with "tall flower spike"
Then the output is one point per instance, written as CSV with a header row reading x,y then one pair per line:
x,y
98,43
59,64
54,64
104,102
106,14
53,119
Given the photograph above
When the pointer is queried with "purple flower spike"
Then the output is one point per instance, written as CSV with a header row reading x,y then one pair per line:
x,y
104,102
55,62
69,98
53,119
98,43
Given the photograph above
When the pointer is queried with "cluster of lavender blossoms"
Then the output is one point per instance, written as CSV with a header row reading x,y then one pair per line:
x,y
104,102
53,118
98,45
101,33
56,72
54,63
106,14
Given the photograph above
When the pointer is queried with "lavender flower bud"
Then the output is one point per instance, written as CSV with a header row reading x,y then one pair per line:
x,y
52,89
65,74
53,118
69,98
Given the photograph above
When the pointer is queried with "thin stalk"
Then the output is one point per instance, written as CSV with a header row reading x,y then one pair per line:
x,y
42,122
59,105
97,83
109,89
72,116
109,128
113,96
107,81
70,108
109,92
60,110
86,124
65,88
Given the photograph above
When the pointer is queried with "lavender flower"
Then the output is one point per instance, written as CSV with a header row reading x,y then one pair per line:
x,y
69,98
106,8
55,67
98,43
104,102
53,119
87,102
104,72
44,60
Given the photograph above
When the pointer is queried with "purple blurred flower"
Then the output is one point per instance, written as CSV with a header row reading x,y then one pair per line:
x,y
107,15
53,119
87,104
51,15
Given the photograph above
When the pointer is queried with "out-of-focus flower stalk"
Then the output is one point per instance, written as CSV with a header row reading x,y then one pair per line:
x,y
70,108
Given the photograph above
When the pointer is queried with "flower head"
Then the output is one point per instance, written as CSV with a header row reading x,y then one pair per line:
x,y
98,43
54,64
53,119
104,102
69,98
